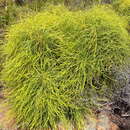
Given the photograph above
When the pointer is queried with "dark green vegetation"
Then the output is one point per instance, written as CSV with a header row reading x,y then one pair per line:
x,y
58,61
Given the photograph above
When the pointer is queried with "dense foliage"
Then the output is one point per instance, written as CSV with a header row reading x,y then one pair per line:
x,y
123,9
123,6
58,60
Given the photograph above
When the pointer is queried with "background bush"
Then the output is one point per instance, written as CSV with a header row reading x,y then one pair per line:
x,y
58,62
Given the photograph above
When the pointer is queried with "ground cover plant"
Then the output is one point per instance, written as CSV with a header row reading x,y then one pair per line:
x,y
58,61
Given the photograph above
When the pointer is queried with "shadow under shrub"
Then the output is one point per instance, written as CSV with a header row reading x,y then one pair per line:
x,y
58,61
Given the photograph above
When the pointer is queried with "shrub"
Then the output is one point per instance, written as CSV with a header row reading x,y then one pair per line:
x,y
58,61
123,8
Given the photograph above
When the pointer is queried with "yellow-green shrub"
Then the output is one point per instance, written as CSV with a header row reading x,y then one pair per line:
x,y
58,61
123,8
